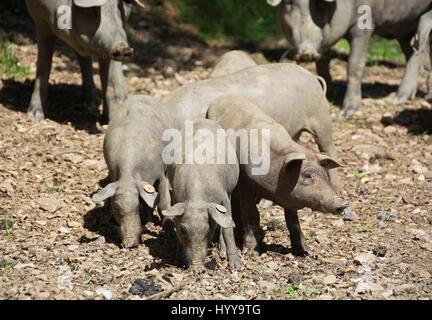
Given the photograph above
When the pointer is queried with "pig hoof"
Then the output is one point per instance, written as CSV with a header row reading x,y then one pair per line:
x,y
299,251
35,114
234,262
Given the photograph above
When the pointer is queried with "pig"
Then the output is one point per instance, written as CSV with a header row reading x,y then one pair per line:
x,y
296,177
133,152
287,92
231,62
96,29
201,191
314,26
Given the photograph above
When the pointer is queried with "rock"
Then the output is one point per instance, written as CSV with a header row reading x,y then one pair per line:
x,y
380,251
145,286
330,279
365,259
390,130
106,293
338,224
50,204
387,216
377,290
348,214
73,224
404,288
63,230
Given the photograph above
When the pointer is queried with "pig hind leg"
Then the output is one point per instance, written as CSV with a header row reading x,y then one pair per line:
x,y
408,87
46,41
89,88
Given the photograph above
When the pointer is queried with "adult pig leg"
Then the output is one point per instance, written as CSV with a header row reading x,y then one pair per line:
x,y
359,48
114,89
408,87
298,242
46,42
89,88
253,234
323,69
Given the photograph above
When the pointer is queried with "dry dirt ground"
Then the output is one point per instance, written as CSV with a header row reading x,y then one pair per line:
x,y
58,244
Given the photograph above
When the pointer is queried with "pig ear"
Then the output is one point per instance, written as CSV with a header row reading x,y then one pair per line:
x,y
175,210
220,214
274,3
147,193
105,193
89,3
292,157
328,162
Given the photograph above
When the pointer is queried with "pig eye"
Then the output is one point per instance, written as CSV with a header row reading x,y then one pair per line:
x,y
307,175
184,229
116,207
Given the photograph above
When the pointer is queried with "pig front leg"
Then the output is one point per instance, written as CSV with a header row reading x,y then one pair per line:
x,y
164,203
356,64
298,242
45,42
114,89
89,88
228,240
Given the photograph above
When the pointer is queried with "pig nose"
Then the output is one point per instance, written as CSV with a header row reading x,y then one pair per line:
x,y
121,51
342,206
307,56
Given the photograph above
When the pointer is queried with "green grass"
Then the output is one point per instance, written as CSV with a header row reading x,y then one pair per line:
x,y
379,49
365,229
10,65
7,232
6,270
242,19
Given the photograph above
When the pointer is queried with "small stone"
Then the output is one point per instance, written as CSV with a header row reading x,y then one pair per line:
x,y
338,224
330,279
107,294
364,259
380,251
88,293
49,204
73,224
63,230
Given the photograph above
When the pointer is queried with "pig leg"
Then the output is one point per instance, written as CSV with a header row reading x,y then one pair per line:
x,y
45,41
90,93
228,239
323,70
408,87
298,242
356,64
163,204
114,90
252,235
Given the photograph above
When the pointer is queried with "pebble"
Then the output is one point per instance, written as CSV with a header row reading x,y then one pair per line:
x,y
330,279
365,259
106,293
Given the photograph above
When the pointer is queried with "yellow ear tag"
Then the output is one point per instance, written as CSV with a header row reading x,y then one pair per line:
x,y
221,208
149,188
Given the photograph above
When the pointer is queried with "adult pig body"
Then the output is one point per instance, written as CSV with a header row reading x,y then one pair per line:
x,y
296,176
314,26
133,153
232,61
287,92
93,28
198,190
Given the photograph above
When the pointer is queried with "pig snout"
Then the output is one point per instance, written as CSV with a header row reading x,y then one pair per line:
x,y
307,56
337,206
130,242
121,51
